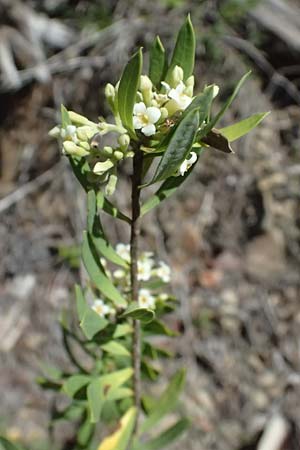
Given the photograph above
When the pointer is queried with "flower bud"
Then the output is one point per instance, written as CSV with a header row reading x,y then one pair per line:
x,y
176,76
85,133
164,113
107,150
110,94
124,141
72,149
146,89
78,119
55,132
85,145
111,185
118,155
101,167
215,90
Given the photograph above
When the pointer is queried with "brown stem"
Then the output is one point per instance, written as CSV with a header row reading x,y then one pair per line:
x,y
134,241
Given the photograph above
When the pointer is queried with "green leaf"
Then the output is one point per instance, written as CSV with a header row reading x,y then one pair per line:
x,y
122,329
109,208
179,147
81,169
81,304
117,378
202,103
158,62
227,104
85,432
95,399
119,440
166,437
166,402
127,90
184,51
156,327
243,127
149,371
97,273
145,315
74,383
115,348
92,323
97,234
65,118
119,393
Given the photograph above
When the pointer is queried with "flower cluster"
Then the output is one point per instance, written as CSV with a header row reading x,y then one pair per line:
x,y
153,108
148,272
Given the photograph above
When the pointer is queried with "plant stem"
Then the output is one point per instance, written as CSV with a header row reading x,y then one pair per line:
x,y
134,241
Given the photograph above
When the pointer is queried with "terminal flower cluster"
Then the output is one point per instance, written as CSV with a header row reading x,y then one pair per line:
x,y
83,138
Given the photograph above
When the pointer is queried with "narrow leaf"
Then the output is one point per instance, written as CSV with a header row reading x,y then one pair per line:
x,y
119,393
184,51
74,383
166,437
65,118
95,400
91,323
119,440
167,402
116,379
179,147
115,348
227,104
145,315
216,140
243,127
97,234
128,88
122,329
158,62
97,273
109,208
81,304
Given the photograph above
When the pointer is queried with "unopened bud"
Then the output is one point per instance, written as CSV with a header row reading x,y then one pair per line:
x,y
124,141
85,133
118,155
111,185
78,119
146,89
107,150
164,113
176,76
72,149
101,167
54,132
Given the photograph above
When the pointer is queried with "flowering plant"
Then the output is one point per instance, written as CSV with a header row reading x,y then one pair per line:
x,y
163,126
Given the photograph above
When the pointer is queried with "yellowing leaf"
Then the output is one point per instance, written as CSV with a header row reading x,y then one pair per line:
x,y
120,438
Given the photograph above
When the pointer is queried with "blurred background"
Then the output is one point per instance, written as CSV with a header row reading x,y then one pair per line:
x,y
231,234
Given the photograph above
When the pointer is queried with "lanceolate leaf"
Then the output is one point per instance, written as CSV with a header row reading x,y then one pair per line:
x,y
145,315
115,348
243,127
119,440
65,118
158,62
202,102
97,273
109,208
81,304
81,169
184,51
128,88
95,399
216,140
166,437
74,383
97,234
91,323
227,104
166,403
179,147
116,379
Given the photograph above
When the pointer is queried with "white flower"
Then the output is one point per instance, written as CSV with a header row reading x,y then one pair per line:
x,y
144,118
146,300
144,269
69,133
163,272
123,250
119,274
187,163
101,308
178,95
215,90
